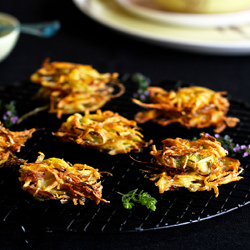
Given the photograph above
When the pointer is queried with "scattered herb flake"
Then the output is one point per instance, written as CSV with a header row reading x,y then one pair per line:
x,y
143,83
8,113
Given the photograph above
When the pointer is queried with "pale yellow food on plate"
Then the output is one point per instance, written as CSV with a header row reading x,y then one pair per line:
x,y
57,179
204,6
192,107
10,143
197,165
69,88
103,131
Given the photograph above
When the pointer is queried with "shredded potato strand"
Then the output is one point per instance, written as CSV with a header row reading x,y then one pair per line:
x,y
11,142
104,131
56,179
71,88
195,106
196,165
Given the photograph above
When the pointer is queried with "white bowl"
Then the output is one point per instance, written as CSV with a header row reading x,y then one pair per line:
x,y
8,39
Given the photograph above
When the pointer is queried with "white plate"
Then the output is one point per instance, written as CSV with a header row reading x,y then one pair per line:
x,y
148,9
221,41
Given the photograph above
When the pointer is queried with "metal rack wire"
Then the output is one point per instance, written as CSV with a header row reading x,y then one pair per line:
x,y
173,208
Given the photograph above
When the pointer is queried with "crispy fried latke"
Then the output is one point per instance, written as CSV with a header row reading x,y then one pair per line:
x,y
192,107
11,142
56,179
196,165
104,131
71,88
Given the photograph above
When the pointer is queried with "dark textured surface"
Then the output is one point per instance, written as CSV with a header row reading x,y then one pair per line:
x,y
84,41
173,208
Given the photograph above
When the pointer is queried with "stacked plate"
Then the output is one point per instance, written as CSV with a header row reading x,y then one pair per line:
x,y
223,34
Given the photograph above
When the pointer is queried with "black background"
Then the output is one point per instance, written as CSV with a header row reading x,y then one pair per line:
x,y
82,40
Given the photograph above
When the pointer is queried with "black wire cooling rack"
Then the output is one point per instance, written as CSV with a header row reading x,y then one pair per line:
x,y
173,208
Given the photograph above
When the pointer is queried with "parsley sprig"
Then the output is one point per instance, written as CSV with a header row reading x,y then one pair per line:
x,y
142,198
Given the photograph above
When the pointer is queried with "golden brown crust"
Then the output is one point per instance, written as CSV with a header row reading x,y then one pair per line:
x,y
196,165
70,88
56,179
192,107
11,142
104,131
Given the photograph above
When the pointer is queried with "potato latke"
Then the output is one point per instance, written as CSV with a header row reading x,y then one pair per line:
x,y
56,179
196,165
104,131
11,142
71,88
192,107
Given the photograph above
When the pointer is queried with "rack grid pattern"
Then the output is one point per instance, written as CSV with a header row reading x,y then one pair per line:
x,y
173,208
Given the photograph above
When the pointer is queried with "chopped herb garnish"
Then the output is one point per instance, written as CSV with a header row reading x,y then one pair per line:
x,y
142,198
143,83
8,113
